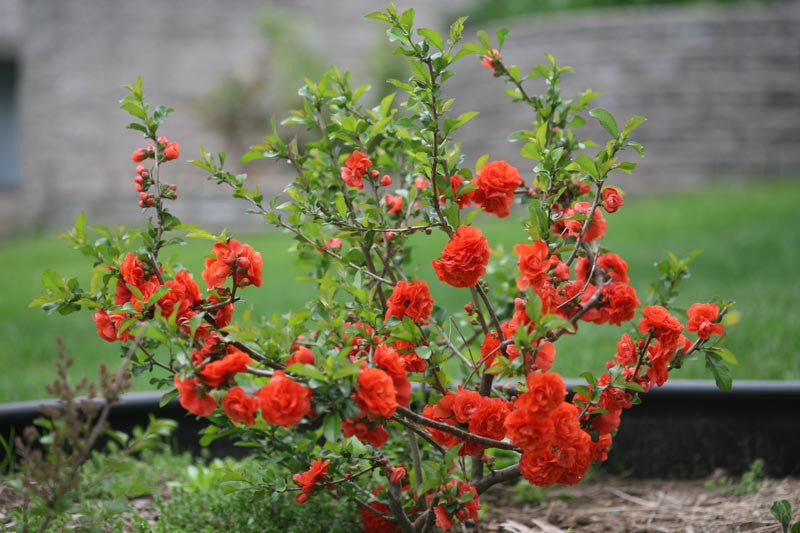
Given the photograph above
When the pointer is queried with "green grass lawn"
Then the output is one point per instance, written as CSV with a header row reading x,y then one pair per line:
x,y
748,235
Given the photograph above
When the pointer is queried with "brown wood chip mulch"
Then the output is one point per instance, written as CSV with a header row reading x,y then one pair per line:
x,y
634,505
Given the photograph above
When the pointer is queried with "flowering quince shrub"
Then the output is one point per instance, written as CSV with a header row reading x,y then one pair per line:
x,y
373,391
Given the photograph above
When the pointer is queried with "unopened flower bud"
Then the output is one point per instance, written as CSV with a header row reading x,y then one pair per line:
x,y
374,173
389,235
139,155
162,140
386,180
172,151
243,263
142,171
398,474
468,307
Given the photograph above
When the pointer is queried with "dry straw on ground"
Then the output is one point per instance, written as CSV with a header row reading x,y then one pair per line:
x,y
631,505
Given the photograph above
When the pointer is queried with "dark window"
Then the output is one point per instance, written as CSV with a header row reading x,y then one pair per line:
x,y
9,131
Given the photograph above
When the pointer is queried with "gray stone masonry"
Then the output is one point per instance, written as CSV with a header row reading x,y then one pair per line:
x,y
720,88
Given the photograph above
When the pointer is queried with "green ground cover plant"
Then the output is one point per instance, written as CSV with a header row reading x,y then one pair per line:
x,y
739,227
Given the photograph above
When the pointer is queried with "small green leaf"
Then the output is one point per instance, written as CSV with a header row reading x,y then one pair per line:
x,y
782,511
51,280
721,373
483,37
456,29
587,164
407,18
332,427
168,397
308,371
502,33
433,37
377,15
606,120
632,124
632,385
726,355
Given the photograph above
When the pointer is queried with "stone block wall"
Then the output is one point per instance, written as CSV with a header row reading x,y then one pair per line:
x,y
720,87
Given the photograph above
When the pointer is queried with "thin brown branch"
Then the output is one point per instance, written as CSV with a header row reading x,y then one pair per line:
x,y
460,433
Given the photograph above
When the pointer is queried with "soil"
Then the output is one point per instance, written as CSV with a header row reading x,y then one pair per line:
x,y
617,504
606,504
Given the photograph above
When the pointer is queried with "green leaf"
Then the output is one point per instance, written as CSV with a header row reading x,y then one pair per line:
x,y
721,373
378,15
168,397
726,355
134,110
332,427
632,124
480,162
502,33
638,147
154,333
782,511
632,385
433,37
51,280
583,390
451,125
483,37
407,19
160,293
530,150
419,71
308,371
456,29
606,120
533,307
423,352
626,166
386,104
587,164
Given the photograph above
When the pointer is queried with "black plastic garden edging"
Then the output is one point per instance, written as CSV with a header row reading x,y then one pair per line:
x,y
686,429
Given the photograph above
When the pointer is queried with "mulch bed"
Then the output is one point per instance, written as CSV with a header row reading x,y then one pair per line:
x,y
607,504
634,505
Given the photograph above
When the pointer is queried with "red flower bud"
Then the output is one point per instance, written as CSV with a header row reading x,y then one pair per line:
x,y
162,140
398,475
172,151
386,180
468,307
142,171
139,155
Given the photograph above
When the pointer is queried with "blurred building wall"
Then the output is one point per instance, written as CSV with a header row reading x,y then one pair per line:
x,y
720,87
